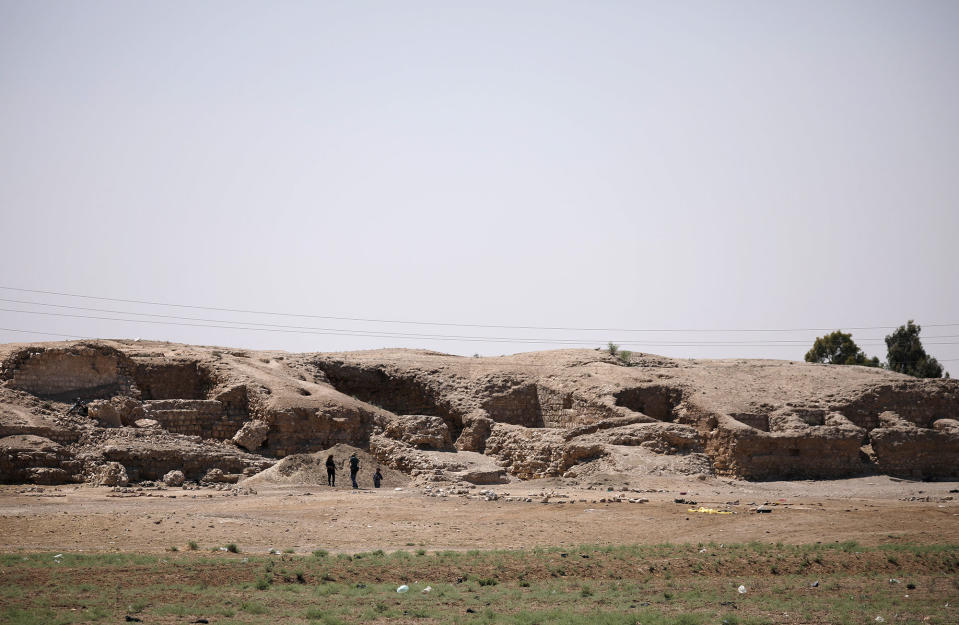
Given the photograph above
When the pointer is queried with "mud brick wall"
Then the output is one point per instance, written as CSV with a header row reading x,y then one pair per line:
x,y
172,380
145,463
917,453
537,406
69,373
300,430
205,418
828,453
63,437
920,403
562,409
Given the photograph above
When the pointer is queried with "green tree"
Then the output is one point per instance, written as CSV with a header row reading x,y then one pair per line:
x,y
906,354
838,348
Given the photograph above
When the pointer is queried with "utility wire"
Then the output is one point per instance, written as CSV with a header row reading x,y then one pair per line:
x,y
439,323
524,341
383,334
471,360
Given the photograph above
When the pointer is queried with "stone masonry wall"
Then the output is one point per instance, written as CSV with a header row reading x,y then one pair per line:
x,y
66,373
172,380
205,418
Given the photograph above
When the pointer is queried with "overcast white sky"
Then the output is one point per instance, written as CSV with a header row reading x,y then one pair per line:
x,y
632,165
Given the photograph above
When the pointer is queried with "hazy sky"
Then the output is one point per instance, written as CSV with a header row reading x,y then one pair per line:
x,y
632,165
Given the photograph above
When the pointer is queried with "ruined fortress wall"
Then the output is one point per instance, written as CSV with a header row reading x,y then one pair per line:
x,y
78,371
197,417
916,453
171,380
538,406
919,402
301,430
818,453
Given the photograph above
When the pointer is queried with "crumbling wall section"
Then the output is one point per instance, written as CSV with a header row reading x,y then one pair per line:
x,y
172,379
304,430
825,452
394,391
35,460
904,450
921,402
151,460
85,370
206,418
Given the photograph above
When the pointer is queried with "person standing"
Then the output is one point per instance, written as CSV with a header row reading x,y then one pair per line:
x,y
354,468
377,478
330,471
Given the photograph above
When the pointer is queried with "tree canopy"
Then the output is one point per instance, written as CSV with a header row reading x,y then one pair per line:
x,y
838,348
906,354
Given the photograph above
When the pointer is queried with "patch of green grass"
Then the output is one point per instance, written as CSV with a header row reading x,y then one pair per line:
x,y
252,607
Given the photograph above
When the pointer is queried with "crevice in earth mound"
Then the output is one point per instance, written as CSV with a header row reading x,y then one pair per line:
x,y
401,395
656,401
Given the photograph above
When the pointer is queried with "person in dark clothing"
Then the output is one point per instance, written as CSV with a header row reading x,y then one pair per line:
x,y
354,468
330,471
377,478
79,407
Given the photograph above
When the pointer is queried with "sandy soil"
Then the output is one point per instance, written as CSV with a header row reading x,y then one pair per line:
x,y
305,517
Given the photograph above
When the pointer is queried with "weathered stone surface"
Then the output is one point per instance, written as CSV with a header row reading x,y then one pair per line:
x,y
252,434
174,478
26,458
48,476
84,369
116,412
110,474
566,412
530,453
905,450
419,430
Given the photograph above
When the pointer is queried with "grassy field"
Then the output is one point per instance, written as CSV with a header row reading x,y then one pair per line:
x,y
648,584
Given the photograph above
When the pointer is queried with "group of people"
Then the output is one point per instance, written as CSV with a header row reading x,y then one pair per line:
x,y
354,469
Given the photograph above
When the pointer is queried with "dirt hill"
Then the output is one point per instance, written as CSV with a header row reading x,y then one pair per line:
x,y
157,407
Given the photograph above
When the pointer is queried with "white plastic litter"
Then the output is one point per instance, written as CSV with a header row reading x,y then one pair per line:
x,y
402,589
742,590
427,590
397,488
879,619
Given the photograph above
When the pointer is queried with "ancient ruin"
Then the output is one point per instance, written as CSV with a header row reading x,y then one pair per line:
x,y
156,411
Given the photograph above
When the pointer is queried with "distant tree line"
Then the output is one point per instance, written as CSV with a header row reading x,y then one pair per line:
x,y
904,353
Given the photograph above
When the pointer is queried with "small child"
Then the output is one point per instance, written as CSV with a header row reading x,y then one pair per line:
x,y
377,478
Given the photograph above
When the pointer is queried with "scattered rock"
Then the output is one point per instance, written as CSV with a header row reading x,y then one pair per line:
x,y
174,478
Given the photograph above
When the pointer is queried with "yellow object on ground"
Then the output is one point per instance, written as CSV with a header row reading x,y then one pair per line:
x,y
710,511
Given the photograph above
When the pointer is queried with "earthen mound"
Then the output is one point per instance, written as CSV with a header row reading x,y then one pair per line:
x,y
158,407
310,469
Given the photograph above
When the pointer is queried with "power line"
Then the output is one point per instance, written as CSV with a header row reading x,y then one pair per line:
x,y
523,341
449,324
381,334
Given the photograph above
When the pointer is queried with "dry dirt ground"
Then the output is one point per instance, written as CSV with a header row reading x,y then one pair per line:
x,y
305,517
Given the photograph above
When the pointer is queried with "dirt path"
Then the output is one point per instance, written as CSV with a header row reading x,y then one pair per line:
x,y
307,517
